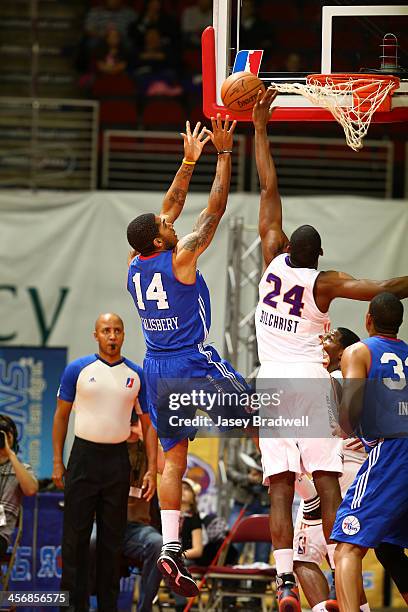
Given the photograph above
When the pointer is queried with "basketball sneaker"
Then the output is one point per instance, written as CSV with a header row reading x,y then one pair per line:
x,y
176,576
287,593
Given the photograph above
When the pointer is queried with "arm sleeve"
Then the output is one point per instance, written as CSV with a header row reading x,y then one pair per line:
x,y
67,388
196,522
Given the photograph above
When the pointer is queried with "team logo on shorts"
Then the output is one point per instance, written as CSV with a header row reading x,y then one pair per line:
x,y
350,525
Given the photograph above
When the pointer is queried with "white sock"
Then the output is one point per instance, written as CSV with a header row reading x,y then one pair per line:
x,y
320,607
170,525
305,487
365,607
330,553
284,560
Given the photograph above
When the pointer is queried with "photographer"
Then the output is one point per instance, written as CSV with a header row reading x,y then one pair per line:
x,y
16,479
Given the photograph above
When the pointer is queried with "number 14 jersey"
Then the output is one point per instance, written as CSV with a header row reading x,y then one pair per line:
x,y
174,315
288,322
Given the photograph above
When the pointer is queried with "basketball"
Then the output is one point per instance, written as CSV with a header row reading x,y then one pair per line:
x,y
240,90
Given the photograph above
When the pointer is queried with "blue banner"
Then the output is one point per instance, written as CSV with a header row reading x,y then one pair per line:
x,y
29,379
38,564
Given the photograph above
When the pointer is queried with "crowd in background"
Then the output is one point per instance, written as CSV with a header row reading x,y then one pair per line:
x,y
157,46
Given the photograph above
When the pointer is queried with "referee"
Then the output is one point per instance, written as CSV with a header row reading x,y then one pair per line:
x,y
103,388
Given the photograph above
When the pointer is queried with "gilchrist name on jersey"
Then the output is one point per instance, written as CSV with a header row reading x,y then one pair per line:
x,y
288,322
278,322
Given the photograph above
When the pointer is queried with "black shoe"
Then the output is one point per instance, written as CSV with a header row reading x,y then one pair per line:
x,y
176,576
287,593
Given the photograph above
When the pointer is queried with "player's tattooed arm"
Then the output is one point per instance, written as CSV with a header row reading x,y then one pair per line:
x,y
175,198
191,246
203,232
273,238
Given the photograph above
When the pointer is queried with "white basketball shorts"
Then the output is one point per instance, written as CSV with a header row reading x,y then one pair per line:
x,y
306,395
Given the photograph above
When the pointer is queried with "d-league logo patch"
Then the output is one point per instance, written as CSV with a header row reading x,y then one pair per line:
x,y
129,383
350,525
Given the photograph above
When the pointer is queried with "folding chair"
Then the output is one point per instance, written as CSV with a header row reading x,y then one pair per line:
x,y
225,581
9,557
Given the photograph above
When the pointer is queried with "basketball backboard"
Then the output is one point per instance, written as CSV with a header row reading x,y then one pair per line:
x,y
305,38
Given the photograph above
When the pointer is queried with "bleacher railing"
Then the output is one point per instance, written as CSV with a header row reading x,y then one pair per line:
x,y
325,166
148,161
48,143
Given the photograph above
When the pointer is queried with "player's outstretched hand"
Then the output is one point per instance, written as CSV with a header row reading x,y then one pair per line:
x,y
194,142
222,135
262,110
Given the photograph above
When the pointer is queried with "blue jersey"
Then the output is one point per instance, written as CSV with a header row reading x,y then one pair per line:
x,y
174,315
385,412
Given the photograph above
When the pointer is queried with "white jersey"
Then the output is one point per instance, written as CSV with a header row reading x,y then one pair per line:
x,y
288,322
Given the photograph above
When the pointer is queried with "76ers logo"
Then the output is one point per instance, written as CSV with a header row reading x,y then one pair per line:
x,y
350,525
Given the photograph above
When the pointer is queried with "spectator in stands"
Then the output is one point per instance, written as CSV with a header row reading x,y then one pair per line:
x,y
112,14
194,19
254,32
155,71
111,56
293,63
250,493
155,16
16,479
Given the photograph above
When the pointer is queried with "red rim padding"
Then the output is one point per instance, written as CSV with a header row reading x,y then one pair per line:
x,y
360,78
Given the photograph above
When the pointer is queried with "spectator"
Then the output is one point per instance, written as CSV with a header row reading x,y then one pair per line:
x,y
143,541
217,530
293,63
103,388
194,19
155,71
111,57
16,479
250,493
113,14
254,32
155,16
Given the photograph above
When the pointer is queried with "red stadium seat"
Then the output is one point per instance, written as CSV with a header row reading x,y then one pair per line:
x,y
224,580
118,113
113,86
162,113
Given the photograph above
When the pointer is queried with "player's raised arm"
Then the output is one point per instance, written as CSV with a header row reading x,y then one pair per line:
x,y
191,246
330,285
272,236
176,196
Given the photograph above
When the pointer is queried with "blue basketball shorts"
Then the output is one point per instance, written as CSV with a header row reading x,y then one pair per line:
x,y
171,375
375,508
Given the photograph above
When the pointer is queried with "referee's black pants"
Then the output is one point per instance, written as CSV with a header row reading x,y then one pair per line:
x,y
96,485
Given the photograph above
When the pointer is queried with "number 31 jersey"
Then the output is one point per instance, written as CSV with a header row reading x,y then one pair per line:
x,y
174,315
288,322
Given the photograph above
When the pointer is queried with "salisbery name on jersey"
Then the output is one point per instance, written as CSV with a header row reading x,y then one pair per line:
x,y
174,315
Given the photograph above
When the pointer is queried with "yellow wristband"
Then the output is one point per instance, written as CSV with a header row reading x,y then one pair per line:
x,y
189,163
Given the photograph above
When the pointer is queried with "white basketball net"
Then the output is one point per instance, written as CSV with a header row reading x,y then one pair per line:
x,y
352,102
